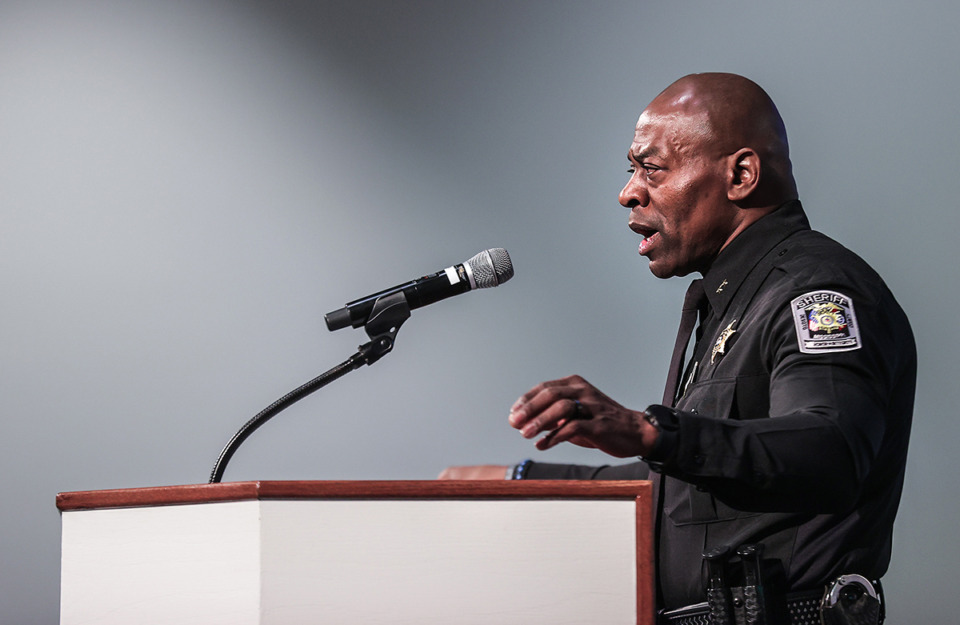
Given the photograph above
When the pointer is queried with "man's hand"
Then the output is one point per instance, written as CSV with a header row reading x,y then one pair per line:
x,y
479,472
573,410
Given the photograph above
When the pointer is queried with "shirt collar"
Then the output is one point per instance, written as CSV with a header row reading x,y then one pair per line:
x,y
741,255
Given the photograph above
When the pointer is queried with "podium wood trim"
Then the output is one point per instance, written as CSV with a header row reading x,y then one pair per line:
x,y
351,489
640,491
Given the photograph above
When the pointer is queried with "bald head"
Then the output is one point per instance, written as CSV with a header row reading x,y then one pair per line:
x,y
725,113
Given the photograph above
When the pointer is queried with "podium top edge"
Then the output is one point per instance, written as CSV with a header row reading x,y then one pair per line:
x,y
353,489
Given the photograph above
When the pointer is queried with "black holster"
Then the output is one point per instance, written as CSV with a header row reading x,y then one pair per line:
x,y
744,590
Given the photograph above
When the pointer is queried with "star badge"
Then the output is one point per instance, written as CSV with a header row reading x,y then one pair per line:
x,y
720,347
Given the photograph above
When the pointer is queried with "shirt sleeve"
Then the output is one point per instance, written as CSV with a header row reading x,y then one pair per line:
x,y
550,471
830,414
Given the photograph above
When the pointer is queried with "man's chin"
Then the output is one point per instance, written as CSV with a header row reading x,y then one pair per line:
x,y
664,270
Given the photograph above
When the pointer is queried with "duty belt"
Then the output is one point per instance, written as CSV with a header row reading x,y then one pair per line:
x,y
847,600
803,608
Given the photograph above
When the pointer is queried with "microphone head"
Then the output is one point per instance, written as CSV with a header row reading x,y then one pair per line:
x,y
490,267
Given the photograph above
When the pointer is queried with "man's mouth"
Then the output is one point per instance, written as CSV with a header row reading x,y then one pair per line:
x,y
650,239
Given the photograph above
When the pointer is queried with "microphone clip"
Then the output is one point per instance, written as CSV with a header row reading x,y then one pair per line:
x,y
388,314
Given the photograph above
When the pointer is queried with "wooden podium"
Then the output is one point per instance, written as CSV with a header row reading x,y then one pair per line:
x,y
357,553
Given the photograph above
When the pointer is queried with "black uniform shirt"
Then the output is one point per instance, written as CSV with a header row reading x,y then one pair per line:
x,y
792,428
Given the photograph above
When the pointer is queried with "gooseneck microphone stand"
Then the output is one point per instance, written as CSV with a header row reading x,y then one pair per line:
x,y
388,314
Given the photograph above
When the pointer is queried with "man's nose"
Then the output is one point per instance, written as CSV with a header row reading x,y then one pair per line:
x,y
634,193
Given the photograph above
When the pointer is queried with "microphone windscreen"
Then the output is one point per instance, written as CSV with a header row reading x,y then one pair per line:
x,y
491,267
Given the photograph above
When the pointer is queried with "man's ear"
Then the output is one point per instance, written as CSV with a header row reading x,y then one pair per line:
x,y
743,174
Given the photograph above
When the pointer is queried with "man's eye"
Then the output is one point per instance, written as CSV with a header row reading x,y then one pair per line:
x,y
647,169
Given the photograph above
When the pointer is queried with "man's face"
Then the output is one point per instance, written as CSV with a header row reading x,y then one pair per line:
x,y
677,193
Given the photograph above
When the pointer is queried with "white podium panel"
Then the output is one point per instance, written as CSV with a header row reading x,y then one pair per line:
x,y
359,553
190,564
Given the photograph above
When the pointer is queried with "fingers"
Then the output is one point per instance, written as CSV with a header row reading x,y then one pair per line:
x,y
572,410
567,430
552,418
543,406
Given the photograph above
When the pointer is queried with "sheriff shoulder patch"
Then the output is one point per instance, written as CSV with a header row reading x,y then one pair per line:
x,y
825,322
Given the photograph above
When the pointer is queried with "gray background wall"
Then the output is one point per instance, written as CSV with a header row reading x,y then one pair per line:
x,y
185,188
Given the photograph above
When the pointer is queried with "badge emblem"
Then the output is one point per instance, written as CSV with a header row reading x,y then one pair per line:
x,y
720,347
825,322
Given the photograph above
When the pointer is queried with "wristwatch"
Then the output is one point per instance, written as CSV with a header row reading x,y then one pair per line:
x,y
667,424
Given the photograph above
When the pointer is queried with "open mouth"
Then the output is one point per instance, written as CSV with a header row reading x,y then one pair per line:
x,y
650,238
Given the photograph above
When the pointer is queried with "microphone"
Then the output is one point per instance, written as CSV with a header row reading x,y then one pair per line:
x,y
489,268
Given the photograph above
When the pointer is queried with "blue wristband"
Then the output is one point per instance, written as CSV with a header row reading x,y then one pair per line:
x,y
520,470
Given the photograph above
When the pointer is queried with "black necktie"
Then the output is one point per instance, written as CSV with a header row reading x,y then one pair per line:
x,y
692,303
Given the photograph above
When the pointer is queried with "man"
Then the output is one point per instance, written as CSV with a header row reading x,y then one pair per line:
x,y
789,427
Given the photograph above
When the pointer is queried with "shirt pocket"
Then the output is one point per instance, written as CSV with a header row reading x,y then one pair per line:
x,y
743,397
688,504
710,398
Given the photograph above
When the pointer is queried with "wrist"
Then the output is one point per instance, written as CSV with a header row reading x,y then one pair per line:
x,y
518,471
663,433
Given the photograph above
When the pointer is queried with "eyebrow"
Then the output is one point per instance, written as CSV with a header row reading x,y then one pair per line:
x,y
643,154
